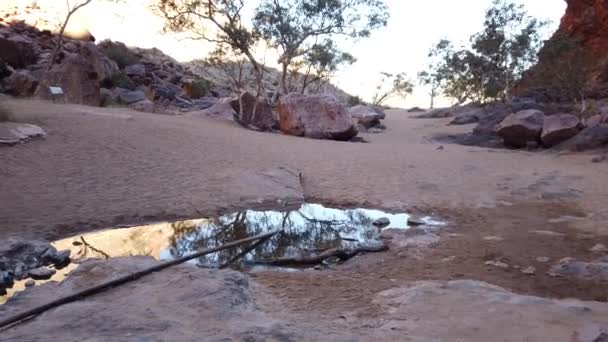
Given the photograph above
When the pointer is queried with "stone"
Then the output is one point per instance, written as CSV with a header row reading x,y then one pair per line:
x,y
599,248
382,222
465,119
519,128
30,283
135,70
204,103
366,116
145,106
222,110
17,51
559,128
315,116
42,273
12,133
588,139
256,113
415,221
496,263
599,159
128,97
7,279
20,83
77,76
530,270
103,66
573,269
543,259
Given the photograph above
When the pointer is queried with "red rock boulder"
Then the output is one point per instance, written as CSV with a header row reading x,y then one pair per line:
x,y
522,127
559,128
316,116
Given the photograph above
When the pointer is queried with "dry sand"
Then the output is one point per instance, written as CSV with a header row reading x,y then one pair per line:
x,y
103,168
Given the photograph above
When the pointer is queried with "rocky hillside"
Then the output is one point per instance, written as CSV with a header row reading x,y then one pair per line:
x,y
577,51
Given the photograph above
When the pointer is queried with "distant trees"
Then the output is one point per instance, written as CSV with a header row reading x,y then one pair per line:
x,y
392,86
302,31
494,62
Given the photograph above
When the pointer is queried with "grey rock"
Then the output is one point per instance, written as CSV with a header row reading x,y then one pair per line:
x,y
131,96
135,70
530,270
12,133
599,248
30,283
42,273
588,139
573,269
255,113
382,222
20,83
496,263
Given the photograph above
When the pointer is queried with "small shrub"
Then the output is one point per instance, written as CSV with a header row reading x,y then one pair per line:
x,y
199,88
120,54
354,101
121,80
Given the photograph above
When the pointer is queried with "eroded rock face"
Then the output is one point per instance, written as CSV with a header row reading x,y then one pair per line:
x,y
77,76
20,83
521,127
559,128
17,52
316,116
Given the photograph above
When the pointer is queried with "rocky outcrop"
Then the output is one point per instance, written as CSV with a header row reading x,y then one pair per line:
x,y
316,116
17,51
254,113
522,127
584,28
559,128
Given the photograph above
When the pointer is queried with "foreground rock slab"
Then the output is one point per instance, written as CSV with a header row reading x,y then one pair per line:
x,y
12,133
317,117
559,128
186,303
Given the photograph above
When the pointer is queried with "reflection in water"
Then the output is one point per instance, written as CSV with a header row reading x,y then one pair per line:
x,y
310,230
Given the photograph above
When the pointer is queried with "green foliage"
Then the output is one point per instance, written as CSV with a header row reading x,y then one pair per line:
x,y
121,55
121,80
200,87
354,101
320,63
564,69
294,27
392,86
494,62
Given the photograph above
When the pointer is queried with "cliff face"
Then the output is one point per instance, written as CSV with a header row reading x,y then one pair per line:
x,y
577,51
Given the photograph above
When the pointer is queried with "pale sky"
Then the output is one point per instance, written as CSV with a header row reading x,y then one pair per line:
x,y
402,46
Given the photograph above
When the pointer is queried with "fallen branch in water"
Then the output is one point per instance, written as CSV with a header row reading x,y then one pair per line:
x,y
12,321
341,253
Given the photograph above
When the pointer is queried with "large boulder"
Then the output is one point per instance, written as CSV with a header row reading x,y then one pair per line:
x,y
77,77
522,127
559,128
17,51
316,116
20,83
366,116
588,139
102,65
255,113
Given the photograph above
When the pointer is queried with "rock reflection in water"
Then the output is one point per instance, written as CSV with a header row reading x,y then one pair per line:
x,y
307,231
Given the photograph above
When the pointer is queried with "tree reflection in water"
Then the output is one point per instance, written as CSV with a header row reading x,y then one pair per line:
x,y
307,231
